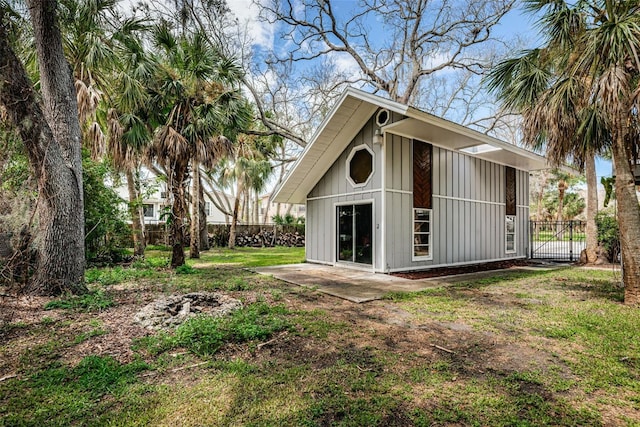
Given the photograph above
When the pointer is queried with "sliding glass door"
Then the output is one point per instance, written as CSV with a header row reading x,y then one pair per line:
x,y
355,233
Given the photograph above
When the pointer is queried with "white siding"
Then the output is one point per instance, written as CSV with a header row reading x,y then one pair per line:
x,y
468,209
334,188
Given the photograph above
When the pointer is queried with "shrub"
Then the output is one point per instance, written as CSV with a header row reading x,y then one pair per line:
x,y
608,234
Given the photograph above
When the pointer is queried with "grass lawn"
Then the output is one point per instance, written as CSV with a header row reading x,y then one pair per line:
x,y
536,348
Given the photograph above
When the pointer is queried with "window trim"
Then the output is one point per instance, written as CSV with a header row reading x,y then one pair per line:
x,y
415,257
353,152
506,233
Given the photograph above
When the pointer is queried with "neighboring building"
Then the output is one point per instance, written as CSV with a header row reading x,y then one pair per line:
x,y
156,200
271,209
391,188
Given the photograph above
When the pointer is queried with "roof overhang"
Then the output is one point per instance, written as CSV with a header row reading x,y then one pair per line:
x,y
352,111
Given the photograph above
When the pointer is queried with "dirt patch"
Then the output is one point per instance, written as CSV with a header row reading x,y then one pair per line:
x,y
464,269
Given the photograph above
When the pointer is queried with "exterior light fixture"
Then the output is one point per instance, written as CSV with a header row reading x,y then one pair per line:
x,y
377,137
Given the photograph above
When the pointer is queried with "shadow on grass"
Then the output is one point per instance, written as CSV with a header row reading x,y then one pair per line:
x,y
599,288
449,288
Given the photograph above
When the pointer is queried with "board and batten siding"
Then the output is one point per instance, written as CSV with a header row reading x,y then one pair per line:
x,y
468,222
334,189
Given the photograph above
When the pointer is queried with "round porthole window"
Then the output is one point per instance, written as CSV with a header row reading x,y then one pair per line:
x,y
382,118
360,165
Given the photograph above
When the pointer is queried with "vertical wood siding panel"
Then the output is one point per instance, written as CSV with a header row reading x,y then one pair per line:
x,y
436,170
397,172
455,175
481,180
406,219
389,159
407,183
396,221
324,227
448,164
454,241
449,220
468,232
487,229
442,232
442,161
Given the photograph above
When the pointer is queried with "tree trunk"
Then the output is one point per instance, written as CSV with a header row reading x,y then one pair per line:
x,y
628,222
543,184
178,214
195,213
204,234
592,209
136,212
51,135
234,217
560,227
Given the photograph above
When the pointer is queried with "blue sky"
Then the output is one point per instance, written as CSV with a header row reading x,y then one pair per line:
x,y
514,26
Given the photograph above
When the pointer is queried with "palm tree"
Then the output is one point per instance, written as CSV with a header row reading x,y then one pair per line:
x,y
248,171
579,94
129,133
191,97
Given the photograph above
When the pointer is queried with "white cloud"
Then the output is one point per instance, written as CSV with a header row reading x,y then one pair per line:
x,y
247,13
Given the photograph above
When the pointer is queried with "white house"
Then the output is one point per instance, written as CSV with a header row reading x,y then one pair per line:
x,y
389,188
156,200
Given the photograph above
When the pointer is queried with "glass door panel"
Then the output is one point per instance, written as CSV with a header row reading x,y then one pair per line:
x,y
363,231
345,233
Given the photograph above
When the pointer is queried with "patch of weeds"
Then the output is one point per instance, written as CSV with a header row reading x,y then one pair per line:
x,y
151,262
409,296
316,324
46,320
204,335
432,374
162,248
68,396
238,284
96,331
6,328
41,355
114,275
186,269
276,294
92,301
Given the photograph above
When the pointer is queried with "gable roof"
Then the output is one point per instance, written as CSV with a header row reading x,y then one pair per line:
x,y
355,107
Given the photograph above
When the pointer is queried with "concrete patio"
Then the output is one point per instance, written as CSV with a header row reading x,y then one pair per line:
x,y
362,286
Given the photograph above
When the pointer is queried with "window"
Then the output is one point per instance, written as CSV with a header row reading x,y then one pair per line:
x,y
360,166
510,234
422,234
207,208
382,118
148,210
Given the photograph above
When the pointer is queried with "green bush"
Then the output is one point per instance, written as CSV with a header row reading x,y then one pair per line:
x,y
106,231
608,234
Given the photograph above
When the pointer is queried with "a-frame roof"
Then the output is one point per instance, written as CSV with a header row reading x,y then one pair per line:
x,y
355,107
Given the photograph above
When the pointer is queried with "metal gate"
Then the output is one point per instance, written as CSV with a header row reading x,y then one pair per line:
x,y
557,240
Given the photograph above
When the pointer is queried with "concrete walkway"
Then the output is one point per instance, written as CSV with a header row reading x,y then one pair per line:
x,y
361,286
